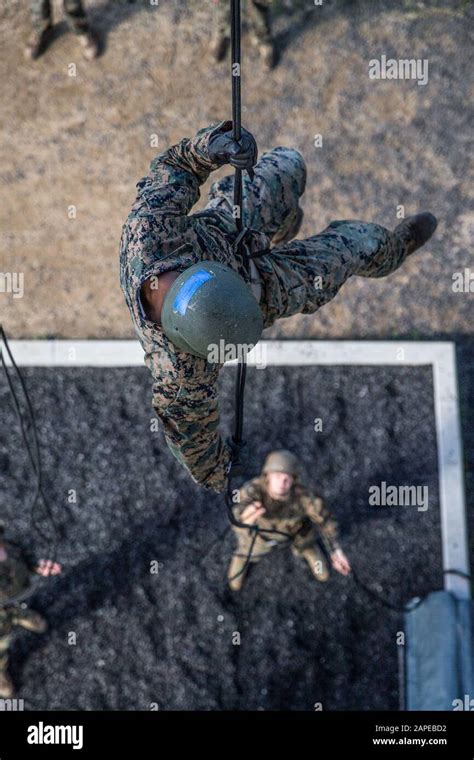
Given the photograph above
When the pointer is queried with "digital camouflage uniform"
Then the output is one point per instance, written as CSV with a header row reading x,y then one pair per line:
x,y
15,574
297,515
258,13
41,15
160,234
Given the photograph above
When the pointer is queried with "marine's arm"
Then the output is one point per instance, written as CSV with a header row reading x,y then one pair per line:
x,y
317,512
248,505
326,523
176,174
172,185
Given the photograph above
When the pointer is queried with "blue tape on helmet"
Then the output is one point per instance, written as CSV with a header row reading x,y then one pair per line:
x,y
186,292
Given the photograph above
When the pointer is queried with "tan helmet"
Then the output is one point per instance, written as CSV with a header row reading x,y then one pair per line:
x,y
281,461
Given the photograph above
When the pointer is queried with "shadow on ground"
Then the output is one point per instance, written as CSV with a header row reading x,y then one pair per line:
x,y
171,638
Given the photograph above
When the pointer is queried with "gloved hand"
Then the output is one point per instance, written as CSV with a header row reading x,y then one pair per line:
x,y
223,149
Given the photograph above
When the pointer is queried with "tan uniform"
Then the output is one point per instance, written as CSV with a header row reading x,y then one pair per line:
x,y
298,515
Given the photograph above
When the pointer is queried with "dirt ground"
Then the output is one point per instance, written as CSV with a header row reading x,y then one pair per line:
x,y
84,141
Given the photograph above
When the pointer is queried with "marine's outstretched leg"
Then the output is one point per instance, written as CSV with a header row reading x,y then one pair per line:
x,y
304,547
316,562
303,275
235,576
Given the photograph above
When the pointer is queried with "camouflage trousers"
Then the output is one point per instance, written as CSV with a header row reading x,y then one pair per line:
x,y
41,15
258,13
303,275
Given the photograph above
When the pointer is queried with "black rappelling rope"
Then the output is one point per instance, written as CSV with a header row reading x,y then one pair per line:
x,y
237,437
33,451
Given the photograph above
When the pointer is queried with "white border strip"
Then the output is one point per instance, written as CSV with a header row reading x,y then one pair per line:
x,y
440,355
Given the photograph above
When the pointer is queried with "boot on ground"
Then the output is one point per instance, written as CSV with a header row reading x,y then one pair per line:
x,y
90,45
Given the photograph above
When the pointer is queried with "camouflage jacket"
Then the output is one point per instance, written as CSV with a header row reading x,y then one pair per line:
x,y
291,514
160,235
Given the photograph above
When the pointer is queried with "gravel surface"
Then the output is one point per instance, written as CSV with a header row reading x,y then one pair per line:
x,y
168,639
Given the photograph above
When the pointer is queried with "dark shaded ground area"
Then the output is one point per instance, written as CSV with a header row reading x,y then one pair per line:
x,y
144,638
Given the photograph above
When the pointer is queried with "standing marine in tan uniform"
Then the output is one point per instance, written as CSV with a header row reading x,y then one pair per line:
x,y
277,500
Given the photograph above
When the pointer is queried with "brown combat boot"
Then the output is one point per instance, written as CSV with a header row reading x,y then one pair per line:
x,y
235,576
219,46
316,562
30,620
37,44
290,227
90,45
416,230
6,686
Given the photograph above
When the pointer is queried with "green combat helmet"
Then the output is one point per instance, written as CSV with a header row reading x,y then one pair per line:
x,y
281,461
209,308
